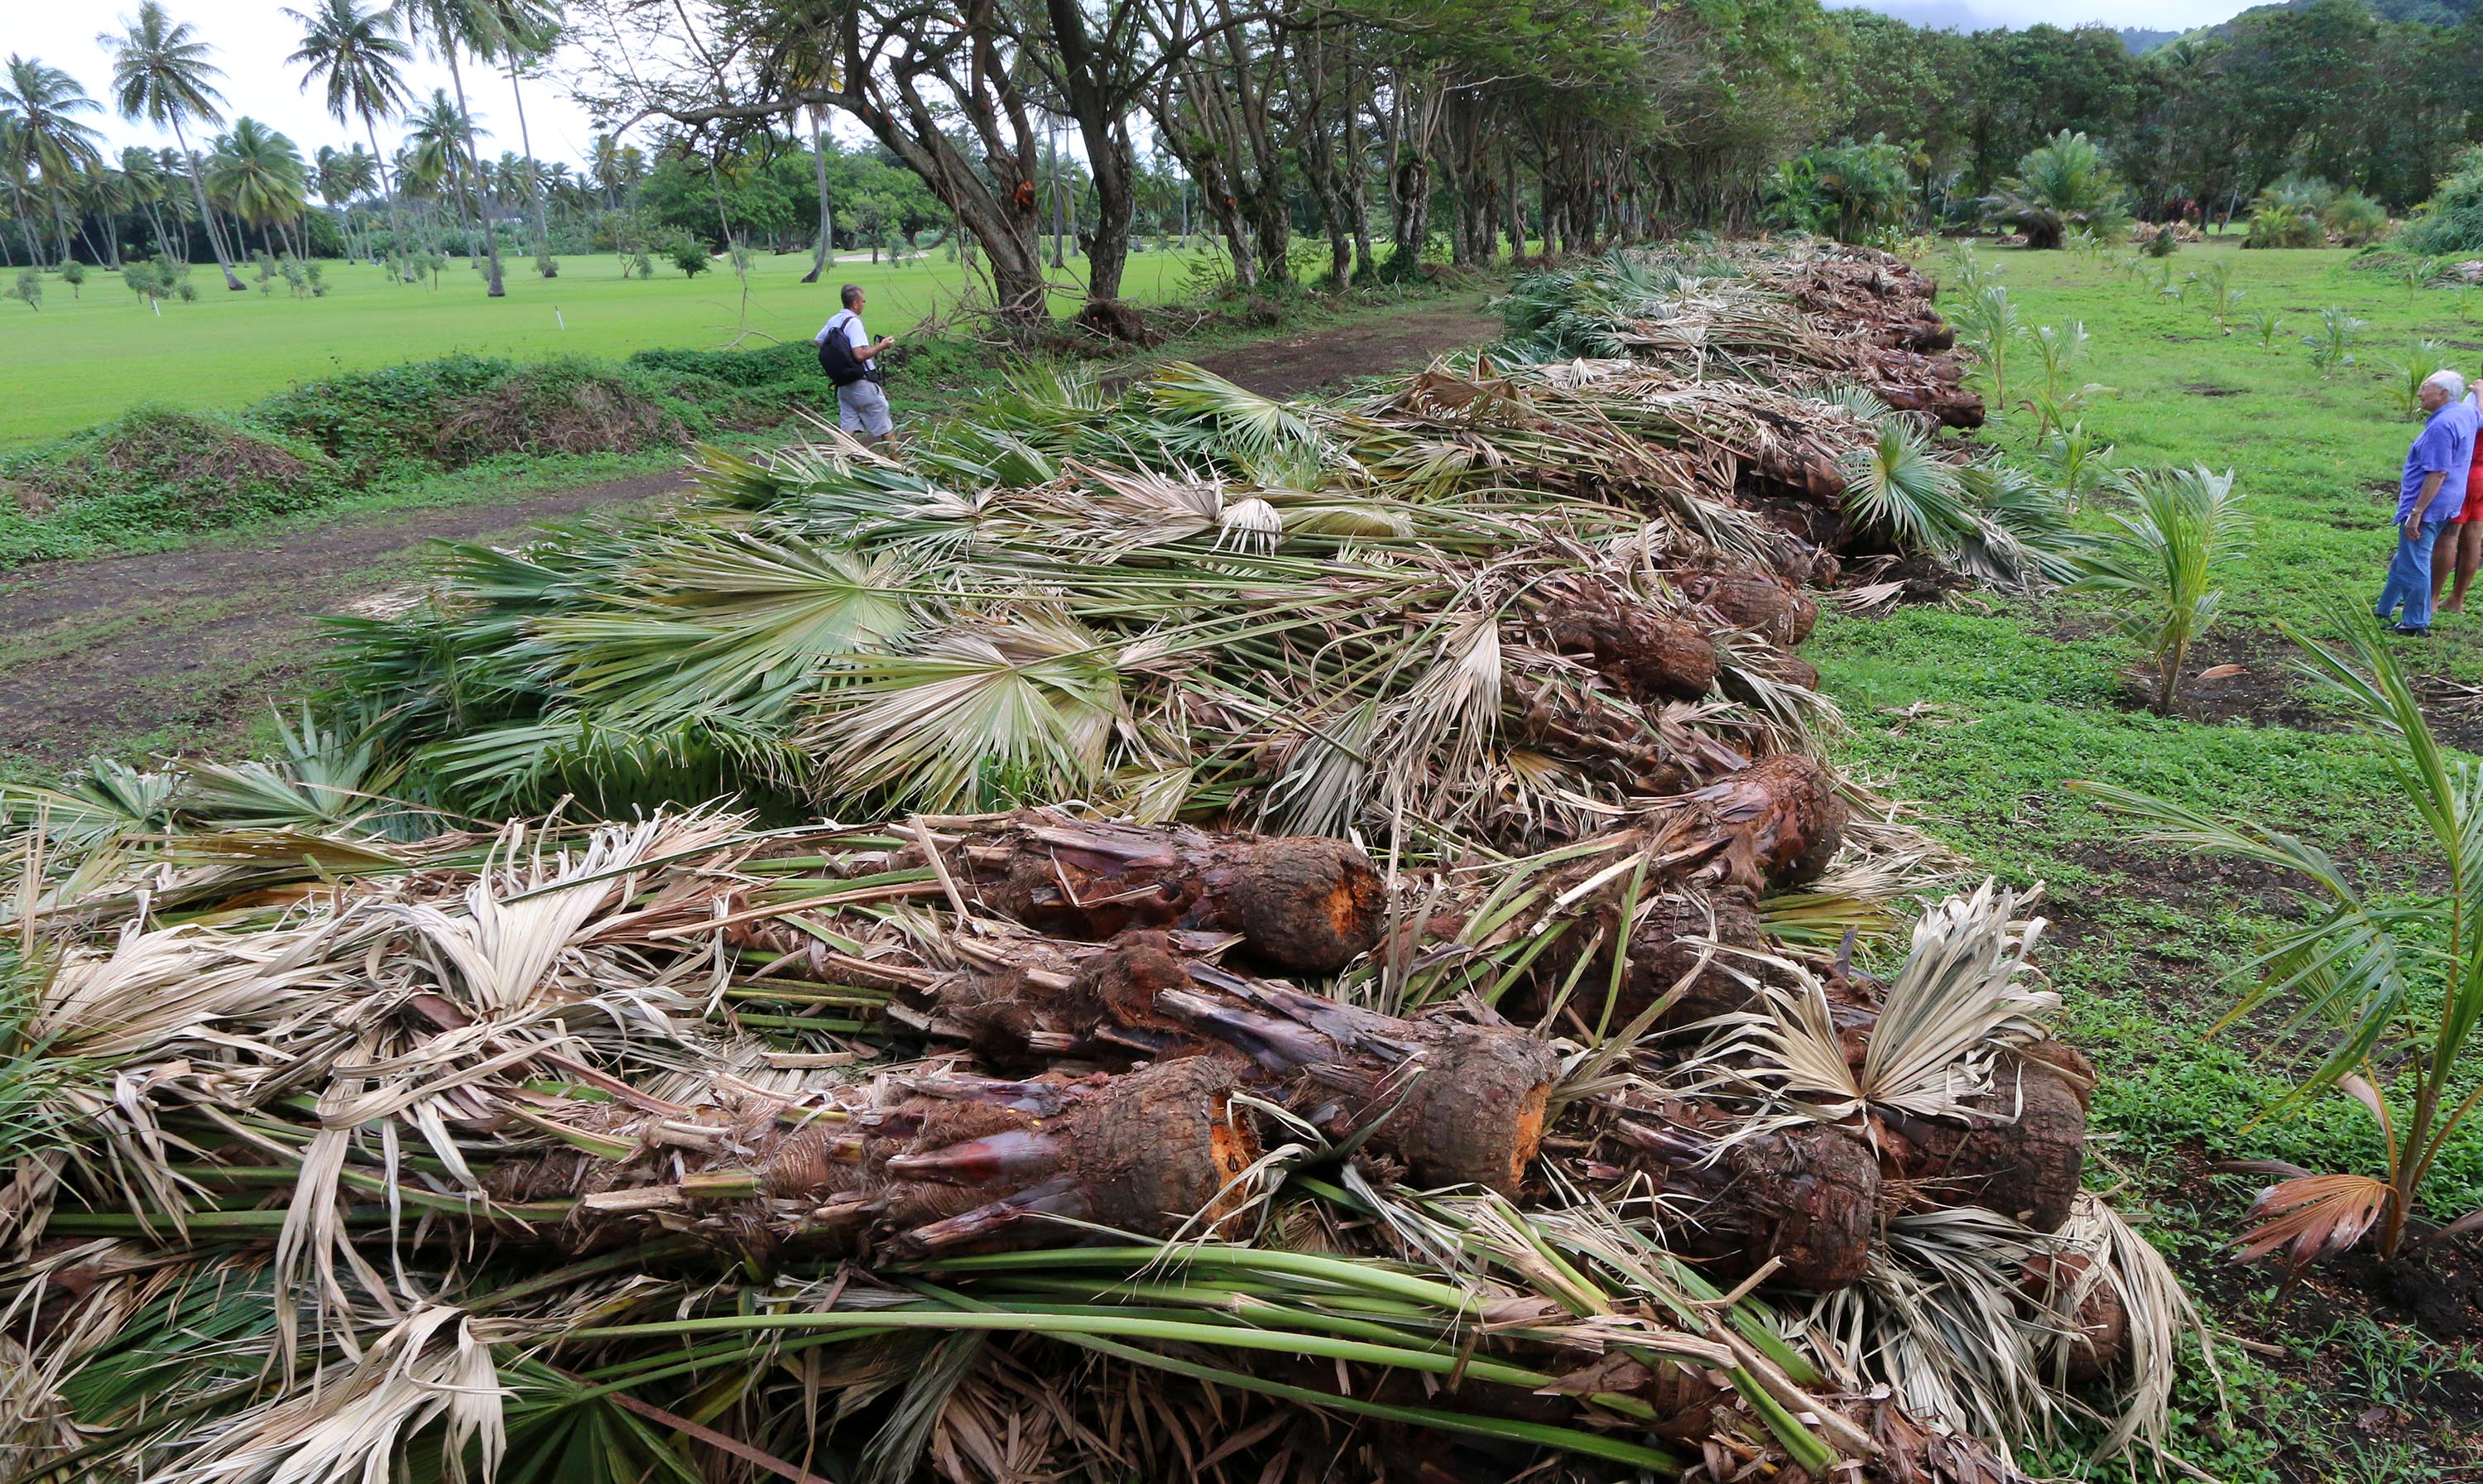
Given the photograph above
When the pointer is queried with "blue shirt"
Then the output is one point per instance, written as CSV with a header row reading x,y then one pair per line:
x,y
2446,447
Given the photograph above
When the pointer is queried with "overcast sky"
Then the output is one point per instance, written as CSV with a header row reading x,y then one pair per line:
x,y
252,37
1986,14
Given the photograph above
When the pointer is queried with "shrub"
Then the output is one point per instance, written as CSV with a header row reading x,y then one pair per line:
x,y
29,288
1853,193
73,273
689,256
2451,221
2354,219
2284,227
2061,186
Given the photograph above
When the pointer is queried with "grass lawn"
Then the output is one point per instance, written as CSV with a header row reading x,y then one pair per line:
x,y
83,359
1977,712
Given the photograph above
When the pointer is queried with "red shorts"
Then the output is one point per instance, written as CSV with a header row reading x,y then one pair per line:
x,y
2472,510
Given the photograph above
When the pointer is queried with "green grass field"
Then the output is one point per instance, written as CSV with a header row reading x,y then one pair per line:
x,y
1977,712
80,359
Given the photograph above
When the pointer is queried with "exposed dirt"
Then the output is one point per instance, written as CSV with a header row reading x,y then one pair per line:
x,y
1318,359
2345,1332
2254,676
189,648
192,645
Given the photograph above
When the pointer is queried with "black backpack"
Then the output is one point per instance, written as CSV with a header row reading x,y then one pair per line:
x,y
837,357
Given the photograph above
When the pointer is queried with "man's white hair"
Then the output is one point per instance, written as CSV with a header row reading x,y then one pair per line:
x,y
2448,382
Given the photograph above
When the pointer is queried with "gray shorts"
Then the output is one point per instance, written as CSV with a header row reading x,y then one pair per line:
x,y
863,407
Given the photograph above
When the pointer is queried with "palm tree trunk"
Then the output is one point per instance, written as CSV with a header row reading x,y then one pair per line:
x,y
827,221
397,216
534,174
494,288
206,213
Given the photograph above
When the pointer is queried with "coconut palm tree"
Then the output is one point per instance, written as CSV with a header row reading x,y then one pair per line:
x,y
359,55
340,175
52,138
454,27
160,74
258,175
524,32
433,163
17,181
144,184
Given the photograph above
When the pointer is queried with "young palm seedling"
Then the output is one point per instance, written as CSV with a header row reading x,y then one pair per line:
x,y
1989,328
2331,347
2396,979
2265,326
2224,301
2078,466
2158,564
2406,377
2060,350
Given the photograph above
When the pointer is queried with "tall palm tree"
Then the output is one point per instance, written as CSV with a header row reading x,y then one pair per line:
x,y
145,185
48,103
433,162
259,176
358,53
102,195
160,74
524,32
17,181
603,167
455,27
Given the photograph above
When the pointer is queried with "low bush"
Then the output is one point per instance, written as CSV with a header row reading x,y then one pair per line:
x,y
2451,221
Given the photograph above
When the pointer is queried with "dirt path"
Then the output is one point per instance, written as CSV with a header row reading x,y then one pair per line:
x,y
1322,358
187,649
184,647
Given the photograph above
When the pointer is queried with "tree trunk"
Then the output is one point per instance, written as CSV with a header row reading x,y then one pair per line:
x,y
494,288
534,177
396,214
206,213
827,219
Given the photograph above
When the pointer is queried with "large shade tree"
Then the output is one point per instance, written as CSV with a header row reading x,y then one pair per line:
x,y
161,75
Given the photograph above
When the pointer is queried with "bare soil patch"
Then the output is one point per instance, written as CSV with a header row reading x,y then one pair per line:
x,y
1321,359
194,645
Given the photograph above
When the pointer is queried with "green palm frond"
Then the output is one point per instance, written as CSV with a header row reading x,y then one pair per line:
x,y
996,709
735,621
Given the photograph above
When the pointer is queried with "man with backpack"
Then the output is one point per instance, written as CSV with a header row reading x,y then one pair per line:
x,y
851,359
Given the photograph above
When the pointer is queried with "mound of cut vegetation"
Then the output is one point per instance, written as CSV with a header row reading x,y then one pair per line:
x,y
1559,1134
157,470
560,406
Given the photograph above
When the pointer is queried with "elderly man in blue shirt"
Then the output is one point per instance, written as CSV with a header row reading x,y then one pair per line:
x,y
2432,489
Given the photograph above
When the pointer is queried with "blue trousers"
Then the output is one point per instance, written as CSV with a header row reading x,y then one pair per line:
x,y
2409,577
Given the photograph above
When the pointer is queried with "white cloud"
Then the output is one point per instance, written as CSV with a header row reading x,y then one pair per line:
x,y
252,39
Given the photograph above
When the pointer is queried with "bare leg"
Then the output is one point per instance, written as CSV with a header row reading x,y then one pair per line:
x,y
2469,556
2449,535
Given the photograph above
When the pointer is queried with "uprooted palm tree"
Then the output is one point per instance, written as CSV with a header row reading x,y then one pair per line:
x,y
2157,563
2389,983
645,1061
2062,185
